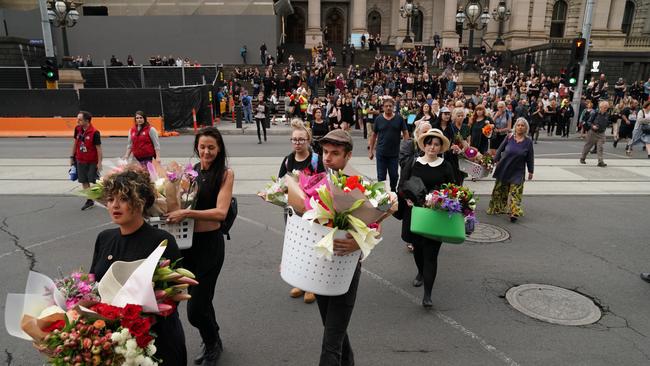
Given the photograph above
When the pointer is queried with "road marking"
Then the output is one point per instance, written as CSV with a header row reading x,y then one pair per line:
x,y
414,299
48,241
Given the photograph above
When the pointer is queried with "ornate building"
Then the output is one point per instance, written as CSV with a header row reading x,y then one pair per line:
x,y
617,24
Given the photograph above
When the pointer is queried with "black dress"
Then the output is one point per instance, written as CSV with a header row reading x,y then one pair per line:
x,y
112,246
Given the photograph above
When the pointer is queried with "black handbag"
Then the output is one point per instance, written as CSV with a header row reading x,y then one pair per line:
x,y
227,223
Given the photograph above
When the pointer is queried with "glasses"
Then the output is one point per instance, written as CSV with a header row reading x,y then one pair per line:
x,y
298,141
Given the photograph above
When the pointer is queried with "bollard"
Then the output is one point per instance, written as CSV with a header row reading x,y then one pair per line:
x,y
194,119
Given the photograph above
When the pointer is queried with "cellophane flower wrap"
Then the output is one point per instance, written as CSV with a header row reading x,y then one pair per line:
x,y
275,192
453,199
176,186
487,130
342,203
95,330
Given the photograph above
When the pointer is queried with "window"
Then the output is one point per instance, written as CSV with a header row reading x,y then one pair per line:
x,y
374,23
628,17
417,25
558,20
95,10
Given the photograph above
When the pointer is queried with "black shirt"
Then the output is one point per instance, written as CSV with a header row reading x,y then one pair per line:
x,y
389,134
434,177
290,164
112,246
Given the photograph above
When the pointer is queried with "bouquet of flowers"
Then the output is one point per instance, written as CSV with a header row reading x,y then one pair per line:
x,y
487,130
275,192
453,199
343,202
487,161
110,321
176,186
77,287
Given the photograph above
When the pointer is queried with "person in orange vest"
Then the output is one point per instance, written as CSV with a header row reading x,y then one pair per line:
x,y
86,153
143,141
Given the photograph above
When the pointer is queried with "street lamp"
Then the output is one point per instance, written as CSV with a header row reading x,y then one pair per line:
x,y
406,11
501,14
63,14
472,17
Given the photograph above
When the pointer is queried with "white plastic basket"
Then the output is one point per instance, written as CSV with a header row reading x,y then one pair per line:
x,y
303,268
182,231
472,169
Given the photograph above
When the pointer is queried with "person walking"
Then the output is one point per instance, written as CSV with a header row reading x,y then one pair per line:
x,y
261,115
514,156
641,131
477,122
502,125
86,153
319,128
596,126
434,171
243,52
388,128
143,141
537,120
205,257
247,106
626,126
128,196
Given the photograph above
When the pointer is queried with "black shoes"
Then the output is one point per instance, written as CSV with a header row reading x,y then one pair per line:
x,y
582,161
645,276
513,219
593,151
87,205
602,164
615,143
259,142
209,355
417,282
426,302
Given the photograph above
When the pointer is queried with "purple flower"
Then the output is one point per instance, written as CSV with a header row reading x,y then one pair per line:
x,y
172,176
190,172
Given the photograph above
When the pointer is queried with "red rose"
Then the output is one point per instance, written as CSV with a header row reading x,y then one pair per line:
x,y
57,325
143,340
107,311
140,326
132,311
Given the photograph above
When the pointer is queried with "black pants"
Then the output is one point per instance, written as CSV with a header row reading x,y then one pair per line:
x,y
258,122
336,311
425,253
204,259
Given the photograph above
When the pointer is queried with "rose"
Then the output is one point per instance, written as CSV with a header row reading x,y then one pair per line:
x,y
143,340
107,311
139,327
132,311
59,324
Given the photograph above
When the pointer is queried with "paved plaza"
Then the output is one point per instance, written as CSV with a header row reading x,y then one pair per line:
x,y
585,229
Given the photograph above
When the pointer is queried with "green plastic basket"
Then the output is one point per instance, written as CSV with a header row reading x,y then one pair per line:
x,y
438,225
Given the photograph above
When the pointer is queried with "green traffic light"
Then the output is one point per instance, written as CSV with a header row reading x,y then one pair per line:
x,y
572,81
50,74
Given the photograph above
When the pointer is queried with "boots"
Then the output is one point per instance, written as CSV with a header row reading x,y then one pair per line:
x,y
209,354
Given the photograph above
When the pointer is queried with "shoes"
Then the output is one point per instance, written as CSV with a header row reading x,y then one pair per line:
x,y
309,297
645,276
426,302
535,141
417,282
602,164
264,138
513,219
209,355
87,205
628,152
296,292
582,161
592,152
259,142
615,143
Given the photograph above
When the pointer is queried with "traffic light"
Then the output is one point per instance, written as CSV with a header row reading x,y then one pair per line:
x,y
50,69
574,73
578,49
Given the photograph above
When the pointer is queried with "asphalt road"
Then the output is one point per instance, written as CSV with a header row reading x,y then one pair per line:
x,y
246,146
596,245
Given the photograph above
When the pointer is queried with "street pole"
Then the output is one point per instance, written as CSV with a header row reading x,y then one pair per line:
x,y
47,31
586,34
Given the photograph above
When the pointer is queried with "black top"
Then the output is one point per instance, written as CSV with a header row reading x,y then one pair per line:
x,y
434,177
479,141
208,189
290,164
112,246
319,129
389,134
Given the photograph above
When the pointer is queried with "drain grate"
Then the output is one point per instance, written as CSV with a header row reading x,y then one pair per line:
x,y
488,233
553,304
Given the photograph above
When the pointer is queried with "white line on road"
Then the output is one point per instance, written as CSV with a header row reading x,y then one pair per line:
x,y
414,299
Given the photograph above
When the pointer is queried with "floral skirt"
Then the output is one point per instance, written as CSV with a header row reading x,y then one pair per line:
x,y
501,194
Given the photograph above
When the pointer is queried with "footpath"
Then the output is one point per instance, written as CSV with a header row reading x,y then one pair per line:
x,y
552,176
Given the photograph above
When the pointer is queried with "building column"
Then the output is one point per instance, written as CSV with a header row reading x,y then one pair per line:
x,y
538,34
603,36
517,36
313,34
359,16
616,16
449,35
397,24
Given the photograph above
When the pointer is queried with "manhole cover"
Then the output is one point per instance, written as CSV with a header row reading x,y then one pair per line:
x,y
553,304
486,233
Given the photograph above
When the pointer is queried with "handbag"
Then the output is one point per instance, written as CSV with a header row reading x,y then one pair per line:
x,y
227,223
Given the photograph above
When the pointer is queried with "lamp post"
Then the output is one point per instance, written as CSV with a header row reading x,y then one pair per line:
x,y
473,17
501,14
63,14
406,11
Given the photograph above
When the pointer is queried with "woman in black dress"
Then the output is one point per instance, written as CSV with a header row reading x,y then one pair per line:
x,y
319,128
128,195
205,257
434,171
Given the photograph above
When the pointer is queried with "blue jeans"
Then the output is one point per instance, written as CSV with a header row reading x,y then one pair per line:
x,y
390,164
248,115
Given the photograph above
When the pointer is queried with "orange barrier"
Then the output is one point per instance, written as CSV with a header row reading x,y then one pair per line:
x,y
64,126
